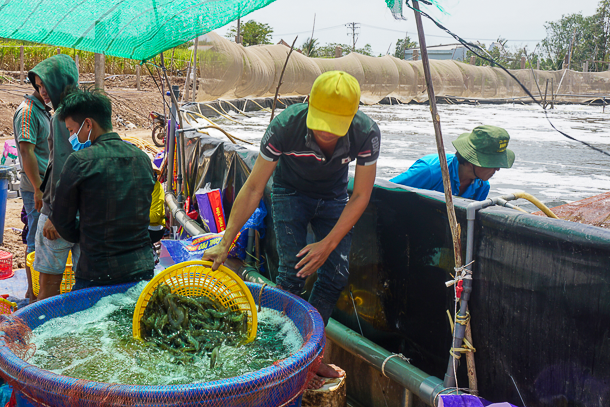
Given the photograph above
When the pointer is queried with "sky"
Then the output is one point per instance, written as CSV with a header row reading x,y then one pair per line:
x,y
521,22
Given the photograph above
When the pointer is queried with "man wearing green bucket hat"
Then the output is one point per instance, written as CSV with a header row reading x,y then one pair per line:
x,y
480,154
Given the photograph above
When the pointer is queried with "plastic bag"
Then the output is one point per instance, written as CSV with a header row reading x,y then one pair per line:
x,y
178,251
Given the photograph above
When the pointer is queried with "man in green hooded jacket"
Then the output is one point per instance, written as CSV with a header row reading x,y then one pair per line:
x,y
59,74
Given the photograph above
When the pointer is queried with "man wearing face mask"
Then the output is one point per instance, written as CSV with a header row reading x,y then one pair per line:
x,y
109,183
58,74
480,154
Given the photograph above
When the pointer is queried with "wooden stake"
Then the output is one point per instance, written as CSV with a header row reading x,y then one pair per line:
x,y
453,224
546,89
99,71
195,79
277,90
552,95
21,65
138,73
58,51
77,62
187,82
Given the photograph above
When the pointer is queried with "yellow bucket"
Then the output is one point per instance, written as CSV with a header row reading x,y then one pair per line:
x,y
196,279
66,282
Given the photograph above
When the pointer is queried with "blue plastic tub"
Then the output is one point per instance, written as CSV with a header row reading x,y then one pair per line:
x,y
279,384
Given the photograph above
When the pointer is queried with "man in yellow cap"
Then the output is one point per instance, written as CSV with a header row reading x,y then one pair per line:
x,y
310,147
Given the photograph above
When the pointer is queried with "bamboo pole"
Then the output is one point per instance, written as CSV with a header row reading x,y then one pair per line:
x,y
187,83
195,79
453,224
546,89
277,90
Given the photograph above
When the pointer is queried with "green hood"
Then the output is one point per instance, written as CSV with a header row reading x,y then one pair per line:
x,y
57,73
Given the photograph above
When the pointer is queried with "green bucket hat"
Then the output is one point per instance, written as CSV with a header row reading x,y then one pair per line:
x,y
486,147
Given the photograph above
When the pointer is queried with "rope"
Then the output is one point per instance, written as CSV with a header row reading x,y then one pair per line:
x,y
461,273
467,346
257,104
235,107
399,355
260,295
226,116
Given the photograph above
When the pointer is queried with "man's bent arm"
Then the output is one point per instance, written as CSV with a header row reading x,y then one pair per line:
x,y
245,204
65,204
317,253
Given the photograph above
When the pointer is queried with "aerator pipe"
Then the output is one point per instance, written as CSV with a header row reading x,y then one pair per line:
x,y
535,201
190,226
460,329
423,385
171,141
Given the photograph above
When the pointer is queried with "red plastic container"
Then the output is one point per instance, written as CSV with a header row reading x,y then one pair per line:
x,y
6,265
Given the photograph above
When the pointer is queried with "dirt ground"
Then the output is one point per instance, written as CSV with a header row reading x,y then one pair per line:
x,y
130,108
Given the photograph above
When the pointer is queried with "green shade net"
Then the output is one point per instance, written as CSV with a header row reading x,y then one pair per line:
x,y
396,7
136,29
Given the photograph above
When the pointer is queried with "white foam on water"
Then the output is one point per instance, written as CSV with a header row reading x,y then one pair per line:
x,y
92,344
548,165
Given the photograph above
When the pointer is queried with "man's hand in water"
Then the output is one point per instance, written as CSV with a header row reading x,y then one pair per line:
x,y
217,254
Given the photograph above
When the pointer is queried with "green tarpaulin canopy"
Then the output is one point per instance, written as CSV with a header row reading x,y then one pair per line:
x,y
137,29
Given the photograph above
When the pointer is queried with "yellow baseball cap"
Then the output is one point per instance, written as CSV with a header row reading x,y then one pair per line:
x,y
333,102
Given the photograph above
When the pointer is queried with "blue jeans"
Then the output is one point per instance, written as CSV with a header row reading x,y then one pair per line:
x,y
292,212
33,215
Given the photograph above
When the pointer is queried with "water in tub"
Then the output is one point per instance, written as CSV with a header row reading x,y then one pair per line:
x,y
97,344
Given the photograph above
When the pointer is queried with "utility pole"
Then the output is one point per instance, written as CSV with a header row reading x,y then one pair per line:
x,y
311,39
353,27
238,36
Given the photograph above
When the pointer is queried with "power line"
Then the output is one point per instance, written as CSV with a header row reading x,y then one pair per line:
x,y
444,36
305,32
353,27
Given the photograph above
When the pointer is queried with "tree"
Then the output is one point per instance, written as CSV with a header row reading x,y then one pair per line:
x,y
328,50
402,45
602,42
573,36
254,33
310,47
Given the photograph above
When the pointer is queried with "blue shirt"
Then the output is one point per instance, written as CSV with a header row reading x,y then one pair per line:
x,y
425,173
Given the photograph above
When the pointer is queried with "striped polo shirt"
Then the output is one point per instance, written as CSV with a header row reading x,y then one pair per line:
x,y
303,166
31,123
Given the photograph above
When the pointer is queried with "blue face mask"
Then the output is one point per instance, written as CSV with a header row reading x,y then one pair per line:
x,y
77,145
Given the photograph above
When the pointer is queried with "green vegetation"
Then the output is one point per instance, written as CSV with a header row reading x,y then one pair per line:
x,y
587,37
574,37
176,59
309,47
328,50
253,33
403,44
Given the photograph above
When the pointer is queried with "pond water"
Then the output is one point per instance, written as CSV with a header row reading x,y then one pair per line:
x,y
548,165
